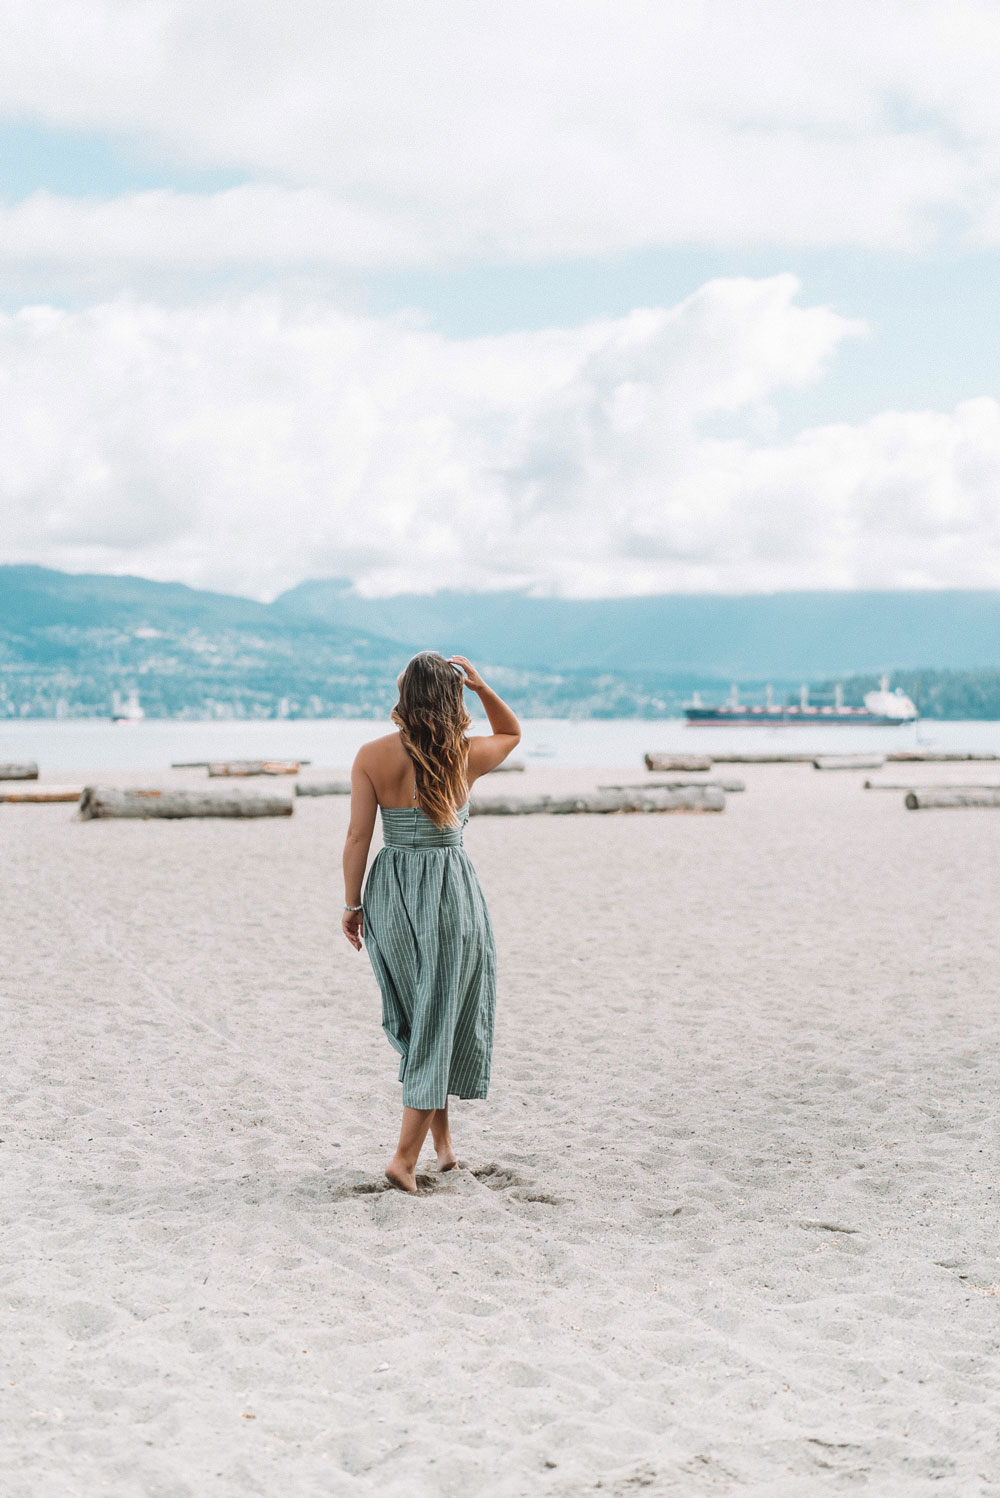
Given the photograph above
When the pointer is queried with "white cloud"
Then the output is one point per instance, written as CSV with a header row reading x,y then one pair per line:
x,y
515,129
248,445
252,225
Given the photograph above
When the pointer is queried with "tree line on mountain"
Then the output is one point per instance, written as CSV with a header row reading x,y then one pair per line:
x,y
936,694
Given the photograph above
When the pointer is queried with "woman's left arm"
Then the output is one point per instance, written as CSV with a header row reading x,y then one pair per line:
x,y
364,804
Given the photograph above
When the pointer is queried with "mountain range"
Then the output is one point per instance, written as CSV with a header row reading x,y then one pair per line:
x,y
68,642
779,636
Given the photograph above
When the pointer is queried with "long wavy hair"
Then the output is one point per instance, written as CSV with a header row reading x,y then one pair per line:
x,y
432,721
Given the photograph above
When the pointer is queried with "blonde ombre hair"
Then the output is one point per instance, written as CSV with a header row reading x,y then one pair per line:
x,y
432,721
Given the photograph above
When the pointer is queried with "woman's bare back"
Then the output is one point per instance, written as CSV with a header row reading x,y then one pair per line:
x,y
390,768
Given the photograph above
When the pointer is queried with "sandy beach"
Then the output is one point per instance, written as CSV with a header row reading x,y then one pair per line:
x,y
727,1224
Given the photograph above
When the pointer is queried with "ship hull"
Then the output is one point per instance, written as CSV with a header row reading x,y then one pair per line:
x,y
784,717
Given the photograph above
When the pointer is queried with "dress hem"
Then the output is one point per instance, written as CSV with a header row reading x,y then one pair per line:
x,y
465,1097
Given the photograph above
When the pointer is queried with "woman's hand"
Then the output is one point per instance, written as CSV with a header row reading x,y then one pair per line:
x,y
470,676
352,923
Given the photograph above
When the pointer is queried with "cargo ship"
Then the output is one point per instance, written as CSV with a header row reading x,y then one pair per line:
x,y
882,709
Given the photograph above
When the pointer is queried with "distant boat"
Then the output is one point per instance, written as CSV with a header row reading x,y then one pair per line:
x,y
127,711
882,709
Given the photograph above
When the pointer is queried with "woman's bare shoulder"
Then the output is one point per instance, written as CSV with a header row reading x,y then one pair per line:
x,y
380,751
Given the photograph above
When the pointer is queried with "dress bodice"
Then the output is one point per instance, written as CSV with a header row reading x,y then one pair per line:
x,y
411,827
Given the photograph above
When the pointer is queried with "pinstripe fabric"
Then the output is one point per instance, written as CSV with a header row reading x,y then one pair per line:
x,y
430,941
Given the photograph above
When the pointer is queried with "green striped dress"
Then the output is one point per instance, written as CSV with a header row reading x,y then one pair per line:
x,y
430,941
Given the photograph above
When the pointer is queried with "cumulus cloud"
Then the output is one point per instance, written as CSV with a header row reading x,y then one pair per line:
x,y
247,445
514,129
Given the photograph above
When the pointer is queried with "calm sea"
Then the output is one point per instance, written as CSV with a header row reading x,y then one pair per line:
x,y
80,744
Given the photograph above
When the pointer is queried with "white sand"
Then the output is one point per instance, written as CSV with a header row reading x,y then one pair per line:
x,y
730,1219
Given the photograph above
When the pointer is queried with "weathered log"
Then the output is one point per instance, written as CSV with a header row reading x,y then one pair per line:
x,y
676,785
763,759
134,801
203,764
247,767
934,756
895,785
24,793
849,762
694,799
322,787
934,796
27,771
677,762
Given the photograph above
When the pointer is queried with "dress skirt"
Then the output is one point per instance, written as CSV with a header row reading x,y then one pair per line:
x,y
430,941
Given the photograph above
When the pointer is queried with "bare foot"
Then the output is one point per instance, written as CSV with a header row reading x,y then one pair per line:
x,y
401,1176
446,1158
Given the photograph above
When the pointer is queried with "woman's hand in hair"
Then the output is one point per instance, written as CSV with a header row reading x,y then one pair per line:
x,y
470,676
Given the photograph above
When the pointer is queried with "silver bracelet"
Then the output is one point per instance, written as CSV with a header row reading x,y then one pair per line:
x,y
354,907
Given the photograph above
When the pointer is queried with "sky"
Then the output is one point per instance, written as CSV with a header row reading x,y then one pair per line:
x,y
586,298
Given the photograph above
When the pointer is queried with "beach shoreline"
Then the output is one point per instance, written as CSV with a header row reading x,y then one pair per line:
x,y
727,1222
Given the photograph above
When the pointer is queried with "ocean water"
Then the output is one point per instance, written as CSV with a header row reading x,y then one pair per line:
x,y
83,744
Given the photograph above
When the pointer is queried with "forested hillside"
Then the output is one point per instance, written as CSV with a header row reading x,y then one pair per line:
x,y
937,694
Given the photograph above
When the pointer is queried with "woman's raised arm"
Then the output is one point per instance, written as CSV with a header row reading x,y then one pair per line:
x,y
488,751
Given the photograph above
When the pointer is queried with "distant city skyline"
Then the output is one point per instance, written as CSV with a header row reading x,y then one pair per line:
x,y
591,299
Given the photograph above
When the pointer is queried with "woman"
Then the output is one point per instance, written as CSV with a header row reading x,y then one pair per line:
x,y
423,918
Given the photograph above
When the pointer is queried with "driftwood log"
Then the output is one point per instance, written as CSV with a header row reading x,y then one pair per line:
x,y
246,767
934,796
849,762
19,772
24,793
896,785
763,759
203,764
132,801
676,785
933,756
343,787
694,799
677,762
